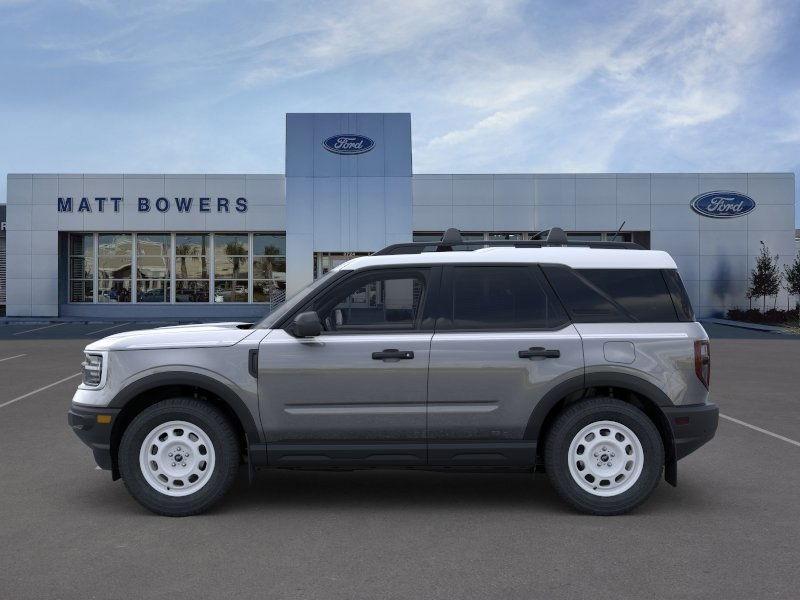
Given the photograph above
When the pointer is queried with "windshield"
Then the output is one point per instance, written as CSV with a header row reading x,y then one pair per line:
x,y
299,298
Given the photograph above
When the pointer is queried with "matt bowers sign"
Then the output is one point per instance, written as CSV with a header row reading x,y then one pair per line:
x,y
182,205
347,143
723,205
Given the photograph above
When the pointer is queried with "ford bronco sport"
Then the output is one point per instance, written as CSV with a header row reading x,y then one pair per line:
x,y
583,360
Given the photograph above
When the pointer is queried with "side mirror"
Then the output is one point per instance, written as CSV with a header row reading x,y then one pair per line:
x,y
307,325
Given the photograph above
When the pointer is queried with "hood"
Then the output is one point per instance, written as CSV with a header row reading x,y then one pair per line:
x,y
207,335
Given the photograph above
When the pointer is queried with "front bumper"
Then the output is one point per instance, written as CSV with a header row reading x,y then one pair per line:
x,y
90,425
692,426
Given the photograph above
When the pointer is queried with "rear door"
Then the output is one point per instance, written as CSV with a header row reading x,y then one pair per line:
x,y
356,393
502,342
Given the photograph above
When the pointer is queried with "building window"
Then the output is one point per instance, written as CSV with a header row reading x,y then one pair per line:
x,y
191,268
114,267
437,237
153,258
177,267
514,237
576,236
231,262
325,261
269,267
81,267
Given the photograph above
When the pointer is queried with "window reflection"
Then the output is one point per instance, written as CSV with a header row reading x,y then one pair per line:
x,y
163,267
191,267
114,267
81,267
269,267
231,266
153,258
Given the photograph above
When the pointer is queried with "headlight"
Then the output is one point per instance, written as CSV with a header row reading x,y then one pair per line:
x,y
92,369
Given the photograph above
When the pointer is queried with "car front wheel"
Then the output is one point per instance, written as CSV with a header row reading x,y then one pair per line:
x,y
179,456
604,456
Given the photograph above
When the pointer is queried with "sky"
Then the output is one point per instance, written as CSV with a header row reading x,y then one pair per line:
x,y
496,86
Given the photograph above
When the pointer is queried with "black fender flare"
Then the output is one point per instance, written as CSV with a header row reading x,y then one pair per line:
x,y
219,389
623,380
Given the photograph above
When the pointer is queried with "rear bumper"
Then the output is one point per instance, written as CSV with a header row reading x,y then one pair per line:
x,y
692,426
96,435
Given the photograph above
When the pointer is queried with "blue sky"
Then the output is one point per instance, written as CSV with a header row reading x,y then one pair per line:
x,y
495,86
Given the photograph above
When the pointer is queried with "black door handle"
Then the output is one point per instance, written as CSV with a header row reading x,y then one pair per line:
x,y
539,352
392,353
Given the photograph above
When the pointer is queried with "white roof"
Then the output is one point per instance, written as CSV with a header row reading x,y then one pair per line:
x,y
576,257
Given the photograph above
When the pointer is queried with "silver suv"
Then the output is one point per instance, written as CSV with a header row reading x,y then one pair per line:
x,y
583,360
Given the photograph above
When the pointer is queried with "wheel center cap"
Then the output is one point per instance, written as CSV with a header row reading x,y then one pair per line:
x,y
178,458
604,457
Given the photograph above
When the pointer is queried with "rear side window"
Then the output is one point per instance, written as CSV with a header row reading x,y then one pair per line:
x,y
493,298
614,295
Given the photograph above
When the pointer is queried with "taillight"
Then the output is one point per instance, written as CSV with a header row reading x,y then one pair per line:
x,y
702,361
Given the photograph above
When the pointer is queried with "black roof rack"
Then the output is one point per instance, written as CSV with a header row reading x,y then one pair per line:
x,y
451,240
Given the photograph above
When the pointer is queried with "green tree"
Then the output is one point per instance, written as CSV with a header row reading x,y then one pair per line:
x,y
765,279
234,252
791,275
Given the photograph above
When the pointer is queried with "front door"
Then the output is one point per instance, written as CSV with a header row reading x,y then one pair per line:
x,y
502,342
356,393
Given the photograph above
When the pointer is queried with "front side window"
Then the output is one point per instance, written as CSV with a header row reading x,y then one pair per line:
x,y
114,267
498,298
383,301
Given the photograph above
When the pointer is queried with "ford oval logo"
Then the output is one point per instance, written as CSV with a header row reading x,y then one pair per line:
x,y
348,143
723,205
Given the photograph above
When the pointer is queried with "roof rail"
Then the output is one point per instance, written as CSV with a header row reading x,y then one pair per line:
x,y
452,240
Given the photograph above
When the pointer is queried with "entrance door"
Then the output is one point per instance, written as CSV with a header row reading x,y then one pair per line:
x,y
503,342
356,393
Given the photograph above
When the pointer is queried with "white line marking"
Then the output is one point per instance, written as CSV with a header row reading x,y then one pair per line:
x,y
753,427
10,357
38,329
107,328
41,389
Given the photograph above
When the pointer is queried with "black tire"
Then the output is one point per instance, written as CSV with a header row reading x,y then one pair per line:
x,y
570,422
222,436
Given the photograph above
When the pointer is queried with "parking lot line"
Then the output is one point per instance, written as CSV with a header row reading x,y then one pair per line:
x,y
38,329
764,431
41,389
10,357
107,328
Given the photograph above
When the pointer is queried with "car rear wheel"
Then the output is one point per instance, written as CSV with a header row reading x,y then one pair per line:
x,y
179,456
604,456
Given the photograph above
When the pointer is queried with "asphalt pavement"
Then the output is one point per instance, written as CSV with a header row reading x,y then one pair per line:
x,y
729,530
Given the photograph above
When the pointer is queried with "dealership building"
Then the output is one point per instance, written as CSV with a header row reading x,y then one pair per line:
x,y
151,246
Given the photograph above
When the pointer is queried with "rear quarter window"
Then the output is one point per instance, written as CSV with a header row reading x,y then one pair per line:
x,y
614,295
641,292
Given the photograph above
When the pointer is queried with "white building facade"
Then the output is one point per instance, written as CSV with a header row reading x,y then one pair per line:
x,y
128,246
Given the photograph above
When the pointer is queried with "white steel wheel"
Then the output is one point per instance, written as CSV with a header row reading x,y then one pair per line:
x,y
177,458
605,458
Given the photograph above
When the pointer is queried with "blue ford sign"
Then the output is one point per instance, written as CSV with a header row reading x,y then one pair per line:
x,y
723,205
348,143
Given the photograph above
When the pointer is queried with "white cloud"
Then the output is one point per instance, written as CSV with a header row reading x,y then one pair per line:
x,y
679,65
336,34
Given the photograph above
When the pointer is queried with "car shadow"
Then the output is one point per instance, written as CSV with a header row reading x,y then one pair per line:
x,y
401,489
394,490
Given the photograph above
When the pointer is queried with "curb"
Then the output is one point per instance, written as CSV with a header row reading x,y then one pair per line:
x,y
751,326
